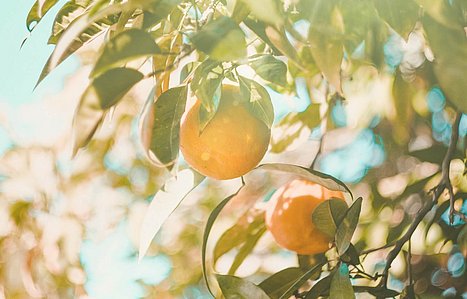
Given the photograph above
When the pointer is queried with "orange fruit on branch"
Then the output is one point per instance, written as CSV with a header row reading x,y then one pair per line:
x,y
232,143
289,216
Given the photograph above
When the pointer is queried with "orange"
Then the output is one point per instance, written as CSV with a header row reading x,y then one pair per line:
x,y
289,216
232,143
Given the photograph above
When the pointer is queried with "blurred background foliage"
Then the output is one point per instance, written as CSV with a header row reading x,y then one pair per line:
x,y
381,123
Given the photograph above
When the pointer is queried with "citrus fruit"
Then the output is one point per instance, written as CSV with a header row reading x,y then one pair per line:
x,y
289,216
232,143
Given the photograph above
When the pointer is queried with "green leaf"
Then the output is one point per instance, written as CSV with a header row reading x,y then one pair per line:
x,y
187,69
75,36
378,292
237,288
328,215
37,11
270,69
103,92
259,101
401,15
310,118
341,287
111,86
69,12
268,11
240,11
351,256
248,224
280,41
243,235
222,39
164,203
156,13
435,154
326,45
462,238
124,47
314,176
276,284
212,218
300,281
165,131
247,248
450,49
207,86
320,288
443,13
347,227
259,28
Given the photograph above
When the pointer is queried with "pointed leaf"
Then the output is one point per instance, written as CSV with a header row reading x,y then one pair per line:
x,y
446,13
111,86
86,121
67,44
237,288
104,92
280,41
156,13
65,16
314,176
73,37
187,69
268,11
450,49
462,239
326,46
301,280
247,247
222,39
341,287
212,218
207,86
320,288
270,69
164,203
124,47
401,15
276,284
347,227
310,118
328,215
37,11
248,225
240,12
259,101
165,130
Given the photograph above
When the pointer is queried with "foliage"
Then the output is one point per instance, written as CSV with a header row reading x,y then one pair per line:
x,y
378,58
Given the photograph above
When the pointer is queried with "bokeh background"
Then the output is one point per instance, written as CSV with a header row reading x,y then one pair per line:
x,y
69,228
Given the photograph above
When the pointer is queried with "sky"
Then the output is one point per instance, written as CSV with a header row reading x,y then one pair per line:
x,y
20,68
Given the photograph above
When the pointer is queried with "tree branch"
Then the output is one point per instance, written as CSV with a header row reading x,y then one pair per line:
x,y
436,193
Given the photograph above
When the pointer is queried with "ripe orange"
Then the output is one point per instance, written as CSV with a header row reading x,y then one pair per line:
x,y
289,216
232,143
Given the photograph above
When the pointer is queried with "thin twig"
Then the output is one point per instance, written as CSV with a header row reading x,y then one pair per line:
x,y
366,252
171,66
436,192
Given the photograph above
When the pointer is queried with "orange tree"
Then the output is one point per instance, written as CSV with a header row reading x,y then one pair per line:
x,y
402,62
